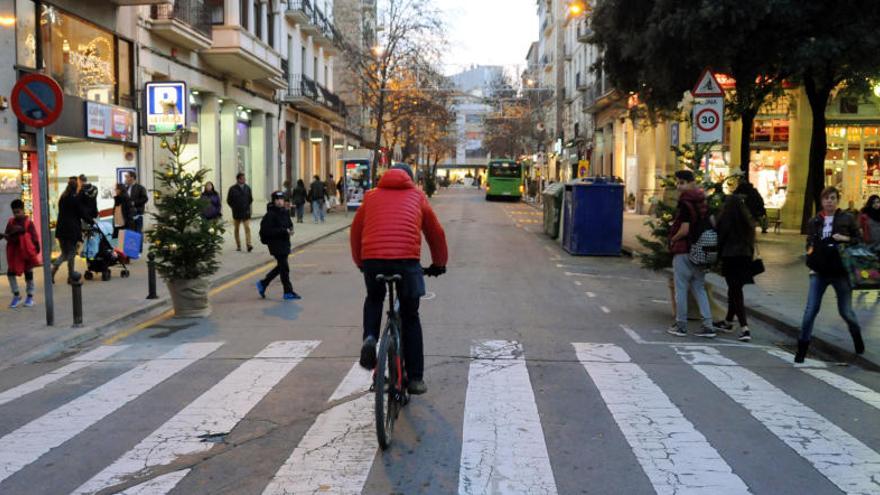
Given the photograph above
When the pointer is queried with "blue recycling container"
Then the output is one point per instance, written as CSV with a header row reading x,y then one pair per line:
x,y
593,217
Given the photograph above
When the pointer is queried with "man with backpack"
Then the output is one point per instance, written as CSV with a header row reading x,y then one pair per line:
x,y
275,231
690,223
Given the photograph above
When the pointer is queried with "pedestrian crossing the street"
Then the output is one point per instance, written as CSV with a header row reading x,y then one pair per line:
x,y
504,444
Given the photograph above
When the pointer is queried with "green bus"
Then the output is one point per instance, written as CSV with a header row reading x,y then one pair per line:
x,y
504,179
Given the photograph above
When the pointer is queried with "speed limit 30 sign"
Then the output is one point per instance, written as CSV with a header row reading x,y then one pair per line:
x,y
708,120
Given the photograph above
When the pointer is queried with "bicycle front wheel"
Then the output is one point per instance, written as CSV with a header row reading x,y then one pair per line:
x,y
386,381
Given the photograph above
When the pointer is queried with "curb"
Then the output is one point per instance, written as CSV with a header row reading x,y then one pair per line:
x,y
780,323
114,325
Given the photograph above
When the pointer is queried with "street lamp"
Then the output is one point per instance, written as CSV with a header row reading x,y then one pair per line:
x,y
577,8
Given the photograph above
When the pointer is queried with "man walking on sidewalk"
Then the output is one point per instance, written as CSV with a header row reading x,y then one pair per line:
x,y
317,195
691,212
240,199
139,198
275,231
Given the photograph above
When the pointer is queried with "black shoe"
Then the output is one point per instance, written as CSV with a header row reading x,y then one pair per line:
x,y
238,248
803,346
745,336
368,353
723,325
416,387
858,342
250,248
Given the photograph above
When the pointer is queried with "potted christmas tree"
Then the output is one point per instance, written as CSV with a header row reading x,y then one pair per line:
x,y
184,243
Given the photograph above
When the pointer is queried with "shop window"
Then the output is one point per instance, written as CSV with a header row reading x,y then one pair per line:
x,y
124,71
79,55
25,34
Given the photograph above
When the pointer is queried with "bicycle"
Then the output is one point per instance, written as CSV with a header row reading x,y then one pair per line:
x,y
389,377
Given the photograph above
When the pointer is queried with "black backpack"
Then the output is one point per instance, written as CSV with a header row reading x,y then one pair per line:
x,y
265,226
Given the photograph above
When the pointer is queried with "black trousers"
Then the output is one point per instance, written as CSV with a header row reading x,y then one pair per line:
x,y
411,288
281,269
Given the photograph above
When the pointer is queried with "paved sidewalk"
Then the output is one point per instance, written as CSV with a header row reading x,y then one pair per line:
x,y
109,306
780,294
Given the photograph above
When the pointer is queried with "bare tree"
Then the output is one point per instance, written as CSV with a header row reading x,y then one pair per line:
x,y
410,39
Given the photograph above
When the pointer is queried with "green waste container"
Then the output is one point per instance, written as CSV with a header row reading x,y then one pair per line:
x,y
552,208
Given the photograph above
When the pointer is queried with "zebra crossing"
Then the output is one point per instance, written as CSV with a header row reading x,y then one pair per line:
x,y
503,442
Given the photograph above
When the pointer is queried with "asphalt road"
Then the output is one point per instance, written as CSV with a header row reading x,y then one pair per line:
x,y
547,374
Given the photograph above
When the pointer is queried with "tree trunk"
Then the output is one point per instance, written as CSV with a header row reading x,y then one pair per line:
x,y
818,95
745,141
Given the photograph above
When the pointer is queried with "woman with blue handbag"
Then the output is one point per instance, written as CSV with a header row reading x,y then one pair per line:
x,y
828,229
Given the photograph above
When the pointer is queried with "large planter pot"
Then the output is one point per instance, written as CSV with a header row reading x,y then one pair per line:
x,y
190,297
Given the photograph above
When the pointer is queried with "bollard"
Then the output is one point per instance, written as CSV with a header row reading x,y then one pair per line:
x,y
151,276
76,288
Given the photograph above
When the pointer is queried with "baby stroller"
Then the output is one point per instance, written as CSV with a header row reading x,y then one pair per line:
x,y
100,254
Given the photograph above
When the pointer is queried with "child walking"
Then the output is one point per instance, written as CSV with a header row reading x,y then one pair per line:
x,y
22,253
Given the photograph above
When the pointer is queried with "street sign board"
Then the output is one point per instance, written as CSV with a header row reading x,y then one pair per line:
x,y
37,100
166,103
707,86
708,120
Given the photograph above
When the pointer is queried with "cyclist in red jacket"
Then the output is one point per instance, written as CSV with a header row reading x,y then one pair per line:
x,y
386,238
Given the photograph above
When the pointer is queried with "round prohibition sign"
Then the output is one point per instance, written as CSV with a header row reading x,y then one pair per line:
x,y
37,100
708,120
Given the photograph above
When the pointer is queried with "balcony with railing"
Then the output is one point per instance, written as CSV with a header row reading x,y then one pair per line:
x,y
185,23
237,51
311,96
313,22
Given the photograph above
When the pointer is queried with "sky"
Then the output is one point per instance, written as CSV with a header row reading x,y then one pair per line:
x,y
489,32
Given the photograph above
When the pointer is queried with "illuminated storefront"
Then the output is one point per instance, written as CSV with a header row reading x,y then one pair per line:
x,y
852,160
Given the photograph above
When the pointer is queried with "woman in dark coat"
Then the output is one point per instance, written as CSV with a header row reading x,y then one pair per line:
x,y
122,218
68,227
736,240
214,208
298,199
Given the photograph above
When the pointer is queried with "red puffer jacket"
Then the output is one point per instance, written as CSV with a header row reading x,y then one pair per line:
x,y
389,223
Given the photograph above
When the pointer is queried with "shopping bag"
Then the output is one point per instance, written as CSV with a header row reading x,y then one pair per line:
x,y
862,266
130,241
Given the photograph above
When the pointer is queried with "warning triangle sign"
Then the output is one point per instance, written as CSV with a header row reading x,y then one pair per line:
x,y
707,86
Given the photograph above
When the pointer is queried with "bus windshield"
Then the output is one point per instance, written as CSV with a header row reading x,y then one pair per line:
x,y
505,169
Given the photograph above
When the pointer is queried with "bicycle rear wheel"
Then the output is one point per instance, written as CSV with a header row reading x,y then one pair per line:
x,y
385,387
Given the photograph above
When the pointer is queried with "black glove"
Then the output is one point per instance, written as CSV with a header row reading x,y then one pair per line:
x,y
435,271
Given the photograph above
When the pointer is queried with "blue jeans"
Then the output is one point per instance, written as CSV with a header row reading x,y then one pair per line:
x,y
688,276
300,210
843,290
318,211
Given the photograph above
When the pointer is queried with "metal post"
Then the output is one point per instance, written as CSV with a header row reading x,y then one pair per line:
x,y
151,276
76,289
45,241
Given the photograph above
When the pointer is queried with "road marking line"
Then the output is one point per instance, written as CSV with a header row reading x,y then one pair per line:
x,y
215,412
632,334
604,309
78,363
848,463
28,443
590,294
503,449
337,452
578,283
785,356
357,380
674,455
161,484
845,385
639,340
594,275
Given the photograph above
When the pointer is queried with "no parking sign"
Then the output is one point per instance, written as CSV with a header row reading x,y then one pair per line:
x,y
37,100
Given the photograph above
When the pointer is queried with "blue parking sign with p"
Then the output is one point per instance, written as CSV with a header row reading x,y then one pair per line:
x,y
166,107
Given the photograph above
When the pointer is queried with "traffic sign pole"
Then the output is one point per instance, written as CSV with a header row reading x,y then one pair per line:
x,y
46,247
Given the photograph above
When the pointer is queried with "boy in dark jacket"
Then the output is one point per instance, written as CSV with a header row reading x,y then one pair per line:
x,y
275,231
22,250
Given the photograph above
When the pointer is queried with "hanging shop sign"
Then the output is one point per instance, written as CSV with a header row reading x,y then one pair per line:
x,y
165,106
110,122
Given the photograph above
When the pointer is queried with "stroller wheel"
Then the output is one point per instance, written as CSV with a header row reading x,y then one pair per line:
x,y
105,275
124,273
89,275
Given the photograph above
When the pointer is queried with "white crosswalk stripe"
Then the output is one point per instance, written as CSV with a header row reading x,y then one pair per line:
x,y
28,443
77,363
215,412
503,448
160,484
844,460
674,455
